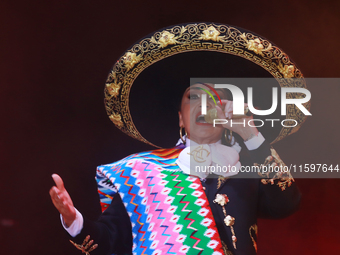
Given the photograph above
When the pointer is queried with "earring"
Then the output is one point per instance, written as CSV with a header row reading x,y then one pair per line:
x,y
181,135
228,137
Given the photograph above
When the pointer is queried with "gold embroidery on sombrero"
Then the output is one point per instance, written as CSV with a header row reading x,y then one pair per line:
x,y
131,59
256,45
286,70
113,87
211,33
165,39
116,119
198,37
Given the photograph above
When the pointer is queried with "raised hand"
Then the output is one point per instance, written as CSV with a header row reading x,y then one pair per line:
x,y
62,200
245,131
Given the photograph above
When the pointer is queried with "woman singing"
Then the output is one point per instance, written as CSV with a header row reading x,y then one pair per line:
x,y
194,198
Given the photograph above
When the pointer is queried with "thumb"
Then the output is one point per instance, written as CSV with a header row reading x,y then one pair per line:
x,y
58,181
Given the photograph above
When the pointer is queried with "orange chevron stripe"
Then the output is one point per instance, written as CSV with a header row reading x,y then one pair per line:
x,y
142,239
167,153
118,170
133,197
106,195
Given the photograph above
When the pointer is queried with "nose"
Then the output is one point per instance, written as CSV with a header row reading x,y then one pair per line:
x,y
208,101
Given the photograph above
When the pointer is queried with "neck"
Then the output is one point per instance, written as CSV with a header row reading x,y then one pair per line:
x,y
204,140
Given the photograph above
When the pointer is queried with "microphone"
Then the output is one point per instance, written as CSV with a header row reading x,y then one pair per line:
x,y
212,115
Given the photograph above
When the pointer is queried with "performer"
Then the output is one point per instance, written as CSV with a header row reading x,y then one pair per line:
x,y
156,202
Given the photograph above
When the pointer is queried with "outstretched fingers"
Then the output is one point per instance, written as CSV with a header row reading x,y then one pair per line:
x,y
59,182
56,197
62,200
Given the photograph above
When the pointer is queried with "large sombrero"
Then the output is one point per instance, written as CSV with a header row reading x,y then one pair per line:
x,y
149,78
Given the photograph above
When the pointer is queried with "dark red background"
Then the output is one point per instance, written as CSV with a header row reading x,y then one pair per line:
x,y
55,57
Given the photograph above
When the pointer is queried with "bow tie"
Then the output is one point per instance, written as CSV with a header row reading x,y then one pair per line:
x,y
201,160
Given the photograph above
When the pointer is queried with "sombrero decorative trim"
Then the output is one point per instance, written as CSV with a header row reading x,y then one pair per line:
x,y
198,37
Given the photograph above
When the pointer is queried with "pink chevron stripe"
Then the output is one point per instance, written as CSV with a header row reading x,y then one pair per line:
x,y
159,218
198,240
150,170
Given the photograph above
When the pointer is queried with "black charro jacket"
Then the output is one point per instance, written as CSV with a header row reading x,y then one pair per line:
x,y
249,199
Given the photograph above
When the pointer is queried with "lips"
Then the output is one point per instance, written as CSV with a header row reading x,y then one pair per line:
x,y
200,120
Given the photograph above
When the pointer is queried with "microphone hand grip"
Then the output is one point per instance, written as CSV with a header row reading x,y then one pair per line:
x,y
212,115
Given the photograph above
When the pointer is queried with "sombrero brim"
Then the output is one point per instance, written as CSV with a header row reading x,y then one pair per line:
x,y
149,79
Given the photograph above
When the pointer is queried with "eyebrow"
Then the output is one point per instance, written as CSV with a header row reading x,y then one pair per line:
x,y
212,90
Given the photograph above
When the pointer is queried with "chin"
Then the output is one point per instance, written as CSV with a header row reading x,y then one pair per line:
x,y
206,133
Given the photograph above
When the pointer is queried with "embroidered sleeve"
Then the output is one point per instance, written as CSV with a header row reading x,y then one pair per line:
x,y
253,235
274,171
87,246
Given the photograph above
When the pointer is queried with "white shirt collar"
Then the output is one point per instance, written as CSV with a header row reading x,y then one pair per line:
x,y
217,158
188,143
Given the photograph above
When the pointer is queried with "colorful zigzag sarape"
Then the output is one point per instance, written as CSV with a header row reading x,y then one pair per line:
x,y
169,210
